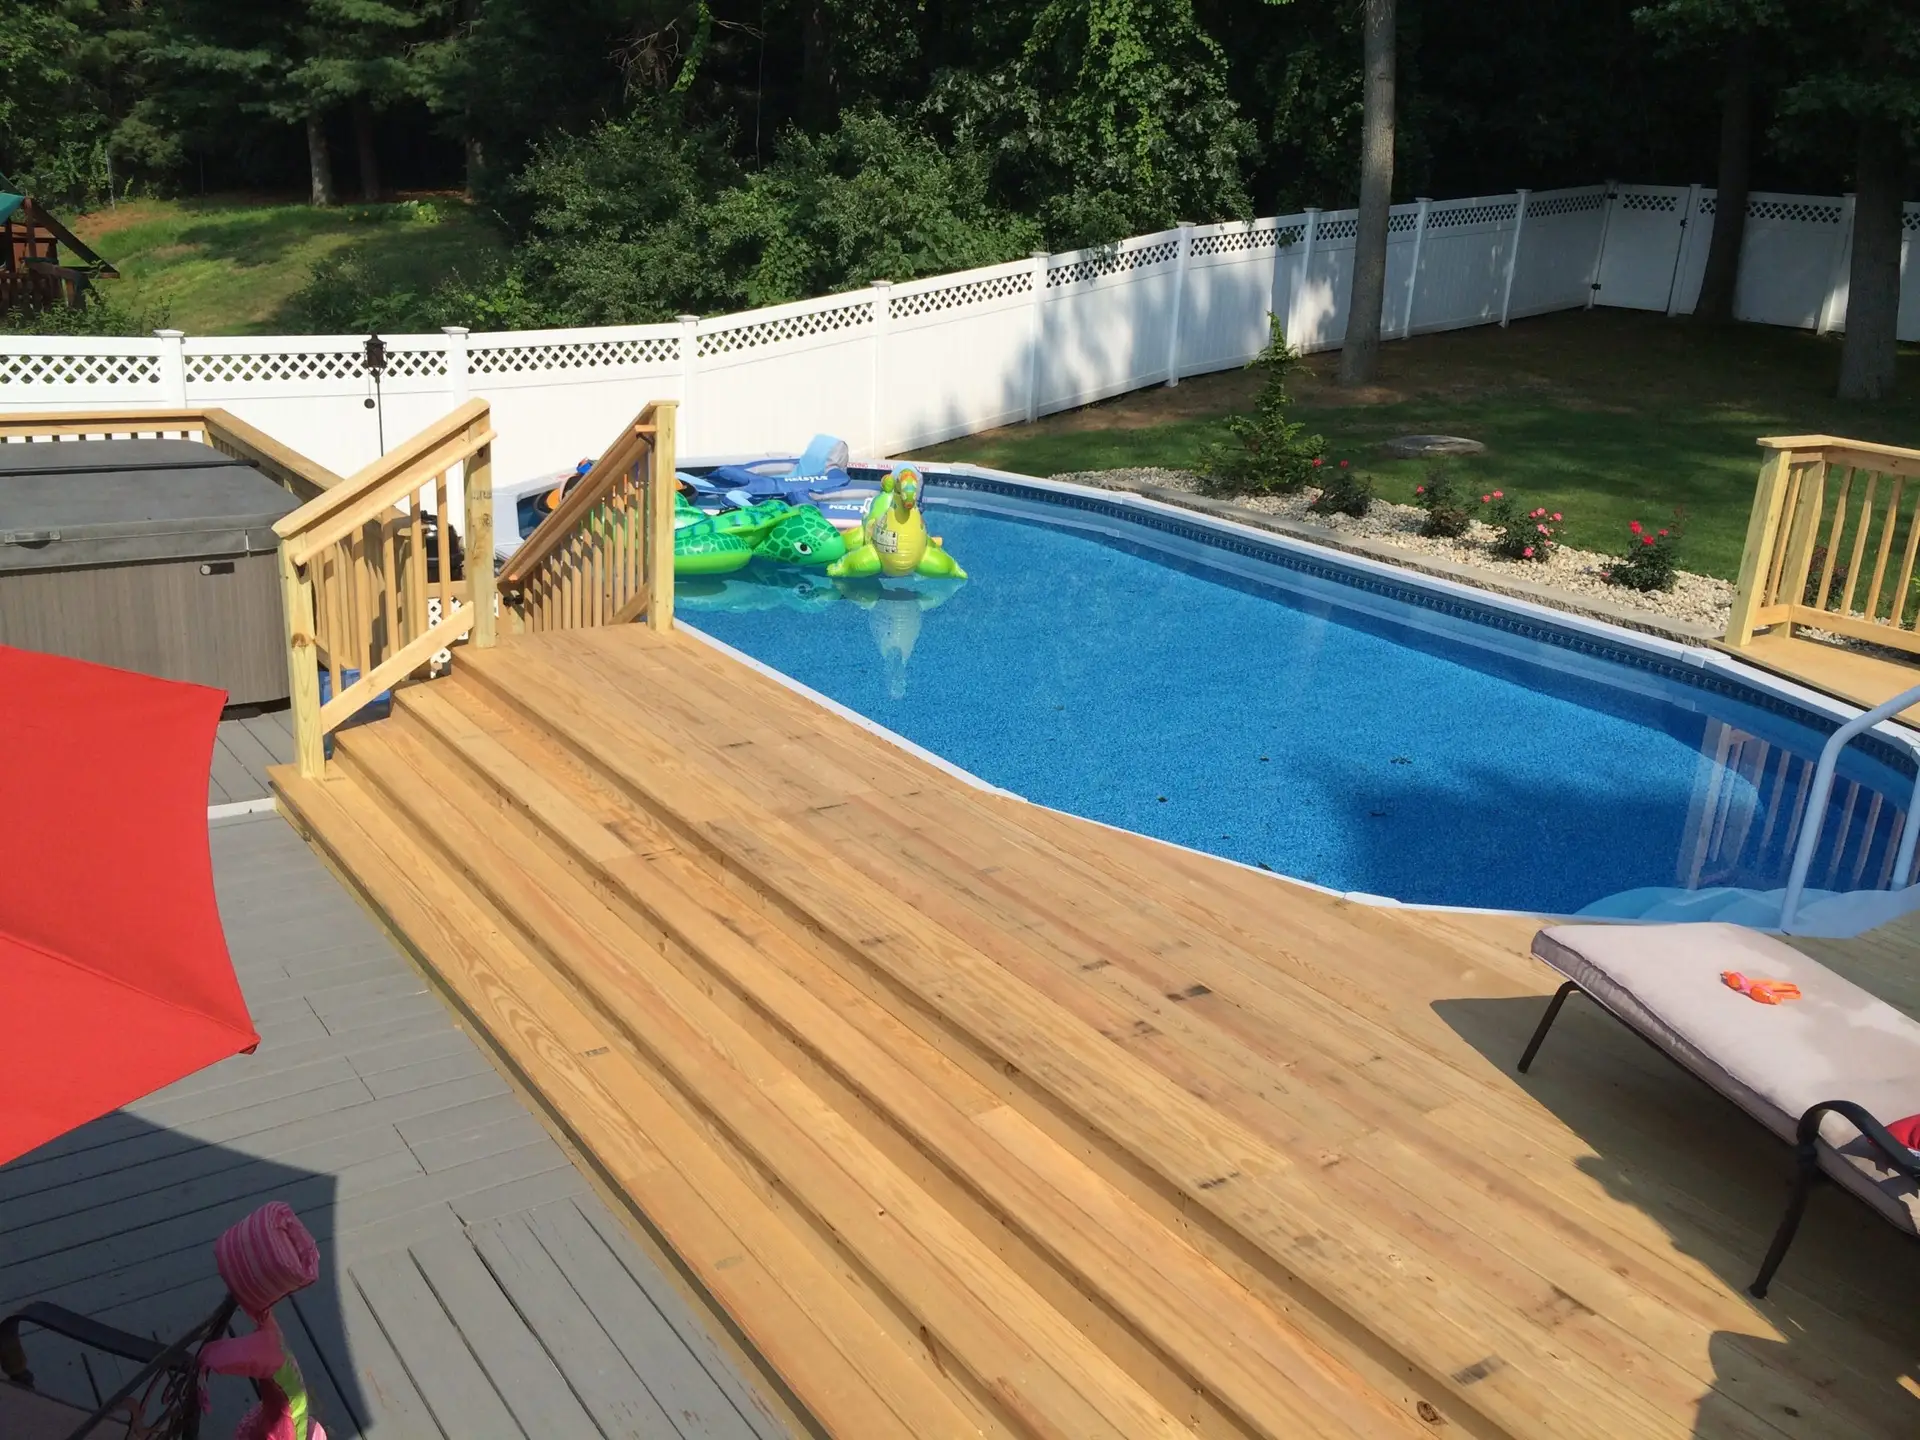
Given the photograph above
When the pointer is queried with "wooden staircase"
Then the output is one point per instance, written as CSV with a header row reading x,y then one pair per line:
x,y
843,1174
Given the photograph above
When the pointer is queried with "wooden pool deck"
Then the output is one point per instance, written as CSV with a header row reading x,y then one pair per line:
x,y
1856,676
975,1119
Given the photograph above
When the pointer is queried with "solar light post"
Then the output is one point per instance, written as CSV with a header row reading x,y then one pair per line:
x,y
374,361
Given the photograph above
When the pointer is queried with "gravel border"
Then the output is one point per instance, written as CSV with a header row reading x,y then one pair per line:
x,y
1695,610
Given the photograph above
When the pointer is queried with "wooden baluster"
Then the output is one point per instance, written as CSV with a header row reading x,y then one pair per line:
x,y
1808,503
1834,533
1887,528
338,645
303,671
372,650
390,585
1783,535
443,544
1860,542
480,586
416,567
659,499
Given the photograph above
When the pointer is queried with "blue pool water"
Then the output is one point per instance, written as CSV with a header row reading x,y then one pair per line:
x,y
1335,733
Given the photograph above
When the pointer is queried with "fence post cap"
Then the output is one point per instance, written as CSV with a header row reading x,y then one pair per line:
x,y
687,319
883,284
1311,210
169,334
455,330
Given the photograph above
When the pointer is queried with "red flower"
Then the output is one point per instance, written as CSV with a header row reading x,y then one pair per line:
x,y
1663,534
1646,540
1343,464
1316,461
1633,525
1543,529
1499,495
1527,554
1485,499
1556,515
1419,489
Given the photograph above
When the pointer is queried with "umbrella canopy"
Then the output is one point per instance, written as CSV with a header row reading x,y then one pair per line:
x,y
114,974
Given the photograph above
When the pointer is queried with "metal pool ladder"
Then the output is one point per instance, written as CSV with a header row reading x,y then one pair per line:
x,y
1823,787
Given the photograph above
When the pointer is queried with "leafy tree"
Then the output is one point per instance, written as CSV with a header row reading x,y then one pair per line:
x,y
1360,355
1267,452
64,65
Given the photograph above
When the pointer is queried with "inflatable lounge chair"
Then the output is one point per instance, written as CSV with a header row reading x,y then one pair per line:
x,y
1813,1057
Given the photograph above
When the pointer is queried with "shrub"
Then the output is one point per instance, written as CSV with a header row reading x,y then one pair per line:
x,y
1518,535
1264,453
1445,501
1651,561
1343,490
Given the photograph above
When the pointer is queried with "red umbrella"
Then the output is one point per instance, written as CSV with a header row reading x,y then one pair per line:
x,y
114,974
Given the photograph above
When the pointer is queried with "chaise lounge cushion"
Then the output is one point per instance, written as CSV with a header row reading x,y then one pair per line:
x,y
1774,1061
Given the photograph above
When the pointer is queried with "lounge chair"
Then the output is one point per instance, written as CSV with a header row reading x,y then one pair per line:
x,y
164,1394
1817,1071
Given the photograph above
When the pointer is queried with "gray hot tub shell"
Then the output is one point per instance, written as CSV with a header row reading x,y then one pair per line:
x,y
152,555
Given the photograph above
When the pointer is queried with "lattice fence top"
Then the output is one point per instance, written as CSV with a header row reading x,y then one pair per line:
x,y
1238,242
1345,229
1910,220
1112,262
79,369
1804,212
1554,205
808,323
1494,212
1640,200
263,367
1403,224
955,297
573,355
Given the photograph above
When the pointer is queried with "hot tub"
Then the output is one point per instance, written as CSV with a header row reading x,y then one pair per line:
x,y
151,555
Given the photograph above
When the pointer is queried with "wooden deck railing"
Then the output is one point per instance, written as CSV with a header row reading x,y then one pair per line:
x,y
367,589
1834,521
605,555
226,433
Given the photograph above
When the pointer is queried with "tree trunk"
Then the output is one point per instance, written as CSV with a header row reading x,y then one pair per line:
x,y
1360,358
1869,350
818,105
364,151
476,160
1722,277
319,162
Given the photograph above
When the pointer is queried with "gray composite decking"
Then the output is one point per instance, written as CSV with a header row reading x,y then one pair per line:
x,y
242,751
473,1286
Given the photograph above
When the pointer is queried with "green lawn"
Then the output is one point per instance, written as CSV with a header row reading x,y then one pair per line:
x,y
1606,416
231,267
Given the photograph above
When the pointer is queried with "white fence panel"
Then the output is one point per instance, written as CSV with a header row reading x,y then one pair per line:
x,y
959,354
1908,327
1317,315
1643,246
559,396
1106,320
769,379
1559,250
1787,259
1463,262
1228,291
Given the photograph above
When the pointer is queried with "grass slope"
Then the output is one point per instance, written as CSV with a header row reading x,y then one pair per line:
x,y
232,266
1607,416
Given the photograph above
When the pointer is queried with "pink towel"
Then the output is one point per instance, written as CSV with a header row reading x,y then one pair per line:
x,y
266,1257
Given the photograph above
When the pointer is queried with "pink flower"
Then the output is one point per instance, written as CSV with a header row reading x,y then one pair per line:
x,y
1499,495
1343,464
1485,499
1556,515
1543,529
1316,462
1646,540
1537,513
1527,553
1419,489
1663,534
1634,526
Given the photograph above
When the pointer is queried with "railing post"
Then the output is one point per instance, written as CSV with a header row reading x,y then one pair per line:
x,y
660,487
1300,278
173,365
303,668
1036,329
689,355
480,583
1513,252
1413,269
1600,246
1833,309
877,391
1179,301
1756,561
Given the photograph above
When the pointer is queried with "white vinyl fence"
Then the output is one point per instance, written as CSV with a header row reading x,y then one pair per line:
x,y
895,367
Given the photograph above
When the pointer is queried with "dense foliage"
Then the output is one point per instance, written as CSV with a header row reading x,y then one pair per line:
x,y
648,157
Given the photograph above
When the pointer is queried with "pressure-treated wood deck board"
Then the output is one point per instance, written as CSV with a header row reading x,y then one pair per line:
x,y
1453,993
1856,676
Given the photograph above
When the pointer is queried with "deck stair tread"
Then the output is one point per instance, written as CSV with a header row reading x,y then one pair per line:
x,y
976,1118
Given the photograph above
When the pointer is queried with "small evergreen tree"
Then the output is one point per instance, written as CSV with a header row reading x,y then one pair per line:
x,y
1265,453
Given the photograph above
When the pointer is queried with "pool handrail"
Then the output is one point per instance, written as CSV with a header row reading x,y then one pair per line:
x,y
1823,787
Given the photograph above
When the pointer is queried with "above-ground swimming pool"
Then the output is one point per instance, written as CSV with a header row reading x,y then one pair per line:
x,y
1331,722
